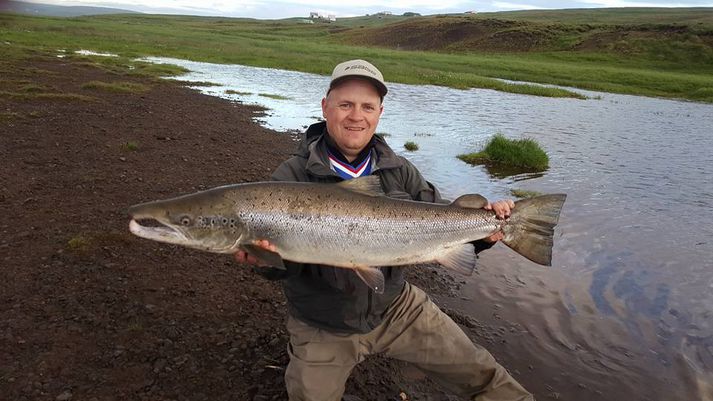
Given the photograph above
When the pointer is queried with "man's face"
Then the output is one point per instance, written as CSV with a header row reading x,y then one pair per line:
x,y
352,111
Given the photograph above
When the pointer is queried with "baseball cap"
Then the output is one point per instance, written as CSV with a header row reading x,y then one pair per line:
x,y
358,68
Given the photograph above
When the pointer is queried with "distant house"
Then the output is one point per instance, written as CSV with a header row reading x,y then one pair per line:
x,y
384,13
314,15
470,12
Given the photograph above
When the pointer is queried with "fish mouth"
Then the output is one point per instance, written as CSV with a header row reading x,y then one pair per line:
x,y
158,233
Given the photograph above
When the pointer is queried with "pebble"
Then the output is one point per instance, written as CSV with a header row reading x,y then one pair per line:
x,y
64,396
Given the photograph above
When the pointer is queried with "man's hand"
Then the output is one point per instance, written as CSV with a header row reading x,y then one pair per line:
x,y
502,209
246,258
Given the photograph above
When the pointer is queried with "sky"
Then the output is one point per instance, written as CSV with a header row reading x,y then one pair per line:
x,y
274,9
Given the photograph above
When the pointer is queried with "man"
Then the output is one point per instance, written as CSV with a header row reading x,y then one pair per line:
x,y
335,319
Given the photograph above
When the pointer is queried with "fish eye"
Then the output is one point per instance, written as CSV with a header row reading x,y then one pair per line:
x,y
185,220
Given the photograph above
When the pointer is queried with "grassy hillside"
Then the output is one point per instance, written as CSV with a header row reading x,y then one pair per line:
x,y
461,51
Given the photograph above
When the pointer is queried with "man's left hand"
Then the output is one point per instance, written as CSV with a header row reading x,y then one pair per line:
x,y
502,209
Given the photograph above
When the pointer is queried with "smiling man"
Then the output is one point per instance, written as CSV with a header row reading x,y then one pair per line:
x,y
334,319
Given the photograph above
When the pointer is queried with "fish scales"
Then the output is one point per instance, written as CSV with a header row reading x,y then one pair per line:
x,y
350,224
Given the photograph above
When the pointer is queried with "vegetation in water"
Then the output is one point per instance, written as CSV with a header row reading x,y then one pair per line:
x,y
523,154
524,193
411,146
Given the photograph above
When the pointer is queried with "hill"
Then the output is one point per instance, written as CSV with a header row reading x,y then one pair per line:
x,y
677,35
49,10
658,52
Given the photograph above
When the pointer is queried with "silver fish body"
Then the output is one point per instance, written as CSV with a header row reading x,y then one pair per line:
x,y
350,224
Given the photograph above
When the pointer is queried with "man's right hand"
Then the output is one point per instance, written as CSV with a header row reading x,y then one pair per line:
x,y
245,258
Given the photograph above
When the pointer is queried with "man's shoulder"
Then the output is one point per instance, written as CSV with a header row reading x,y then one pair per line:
x,y
292,169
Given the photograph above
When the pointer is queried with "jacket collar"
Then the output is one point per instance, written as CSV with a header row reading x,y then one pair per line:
x,y
313,147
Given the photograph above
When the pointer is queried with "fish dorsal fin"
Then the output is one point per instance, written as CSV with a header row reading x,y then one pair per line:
x,y
369,185
471,201
460,258
372,276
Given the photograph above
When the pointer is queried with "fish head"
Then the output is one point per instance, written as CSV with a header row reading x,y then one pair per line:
x,y
204,221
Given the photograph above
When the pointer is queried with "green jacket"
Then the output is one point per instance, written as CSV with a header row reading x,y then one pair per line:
x,y
332,298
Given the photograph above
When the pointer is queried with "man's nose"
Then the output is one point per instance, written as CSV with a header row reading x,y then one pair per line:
x,y
355,114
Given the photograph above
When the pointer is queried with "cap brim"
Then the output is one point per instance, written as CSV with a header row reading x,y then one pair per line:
x,y
380,87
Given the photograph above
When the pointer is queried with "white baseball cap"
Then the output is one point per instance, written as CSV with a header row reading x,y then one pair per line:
x,y
358,69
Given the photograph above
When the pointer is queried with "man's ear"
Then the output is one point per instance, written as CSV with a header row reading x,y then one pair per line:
x,y
324,107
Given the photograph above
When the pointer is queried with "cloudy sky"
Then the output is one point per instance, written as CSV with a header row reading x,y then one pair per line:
x,y
349,8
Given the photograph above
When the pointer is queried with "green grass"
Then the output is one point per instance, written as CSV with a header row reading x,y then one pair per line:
x,y
130,146
78,243
411,146
523,154
524,193
273,96
116,87
8,116
234,92
46,96
654,60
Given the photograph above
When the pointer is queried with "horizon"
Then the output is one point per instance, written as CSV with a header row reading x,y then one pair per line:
x,y
261,9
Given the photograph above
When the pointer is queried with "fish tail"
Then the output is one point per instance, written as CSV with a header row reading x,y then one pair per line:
x,y
531,227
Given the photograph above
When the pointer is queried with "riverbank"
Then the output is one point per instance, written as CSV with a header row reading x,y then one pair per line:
x,y
646,56
89,310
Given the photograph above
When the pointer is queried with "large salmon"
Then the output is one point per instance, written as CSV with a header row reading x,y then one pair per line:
x,y
351,224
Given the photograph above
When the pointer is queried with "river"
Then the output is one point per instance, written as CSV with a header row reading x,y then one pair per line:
x,y
628,302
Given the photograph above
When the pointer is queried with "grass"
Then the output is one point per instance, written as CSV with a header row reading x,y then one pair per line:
x,y
234,92
130,146
273,96
524,193
7,116
411,146
78,243
116,87
46,96
524,154
651,61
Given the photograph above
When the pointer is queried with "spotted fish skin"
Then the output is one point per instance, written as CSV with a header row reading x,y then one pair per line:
x,y
351,224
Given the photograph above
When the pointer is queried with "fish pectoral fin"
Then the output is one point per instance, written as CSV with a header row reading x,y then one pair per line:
x,y
266,256
460,258
368,185
372,276
471,201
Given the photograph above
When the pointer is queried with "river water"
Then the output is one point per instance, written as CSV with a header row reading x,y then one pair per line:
x,y
628,302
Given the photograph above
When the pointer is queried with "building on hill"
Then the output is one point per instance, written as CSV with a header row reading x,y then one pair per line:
x,y
314,15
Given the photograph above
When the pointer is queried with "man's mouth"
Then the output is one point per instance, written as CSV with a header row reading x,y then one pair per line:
x,y
356,129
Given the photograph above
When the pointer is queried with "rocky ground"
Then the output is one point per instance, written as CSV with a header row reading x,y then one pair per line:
x,y
90,312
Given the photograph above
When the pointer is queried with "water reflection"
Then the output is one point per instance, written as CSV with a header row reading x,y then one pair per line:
x,y
633,257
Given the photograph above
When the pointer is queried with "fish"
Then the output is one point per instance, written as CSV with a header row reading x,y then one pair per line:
x,y
351,224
